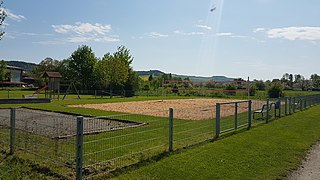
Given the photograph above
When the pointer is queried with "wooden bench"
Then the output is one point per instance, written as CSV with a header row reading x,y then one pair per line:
x,y
263,110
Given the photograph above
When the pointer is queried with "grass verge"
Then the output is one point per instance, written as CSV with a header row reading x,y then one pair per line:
x,y
270,151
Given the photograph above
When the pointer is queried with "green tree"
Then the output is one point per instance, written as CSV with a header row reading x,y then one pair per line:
x,y
46,65
132,85
259,85
81,63
150,78
114,69
230,89
3,70
291,81
252,90
3,16
315,81
275,90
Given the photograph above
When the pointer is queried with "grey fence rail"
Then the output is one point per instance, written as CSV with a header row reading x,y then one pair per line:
x,y
85,147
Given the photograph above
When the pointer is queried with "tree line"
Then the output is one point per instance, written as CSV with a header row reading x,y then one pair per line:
x,y
113,71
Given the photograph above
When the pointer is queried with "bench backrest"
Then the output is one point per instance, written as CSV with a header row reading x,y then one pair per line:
x,y
264,108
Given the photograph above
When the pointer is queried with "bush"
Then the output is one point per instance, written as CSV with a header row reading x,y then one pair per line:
x,y
230,87
252,90
275,90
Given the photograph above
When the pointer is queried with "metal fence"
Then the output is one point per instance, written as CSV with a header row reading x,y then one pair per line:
x,y
86,147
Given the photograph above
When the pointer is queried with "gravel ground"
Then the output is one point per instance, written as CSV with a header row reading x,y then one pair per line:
x,y
310,167
58,125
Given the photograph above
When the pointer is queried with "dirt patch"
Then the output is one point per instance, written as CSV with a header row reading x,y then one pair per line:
x,y
191,109
310,167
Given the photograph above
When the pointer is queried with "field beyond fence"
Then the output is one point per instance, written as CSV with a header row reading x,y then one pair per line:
x,y
85,147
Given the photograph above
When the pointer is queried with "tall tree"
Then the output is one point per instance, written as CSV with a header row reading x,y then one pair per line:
x,y
114,69
81,63
260,85
46,65
291,80
3,70
315,81
3,16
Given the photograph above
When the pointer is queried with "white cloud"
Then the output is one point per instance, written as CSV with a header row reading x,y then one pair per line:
x,y
82,28
13,16
224,34
204,27
187,33
86,32
295,33
259,30
157,35
57,42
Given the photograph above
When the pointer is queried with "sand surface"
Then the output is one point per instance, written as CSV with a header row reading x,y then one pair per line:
x,y
191,109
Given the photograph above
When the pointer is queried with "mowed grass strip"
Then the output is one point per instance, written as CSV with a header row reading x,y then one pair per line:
x,y
270,151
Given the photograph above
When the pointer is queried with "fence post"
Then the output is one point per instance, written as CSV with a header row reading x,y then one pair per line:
x,y
236,115
170,129
305,102
79,145
279,107
286,106
217,120
290,105
249,113
12,129
294,104
267,119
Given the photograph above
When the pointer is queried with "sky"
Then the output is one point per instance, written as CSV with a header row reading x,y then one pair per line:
x,y
260,39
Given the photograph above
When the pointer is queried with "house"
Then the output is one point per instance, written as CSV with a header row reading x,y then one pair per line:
x,y
14,77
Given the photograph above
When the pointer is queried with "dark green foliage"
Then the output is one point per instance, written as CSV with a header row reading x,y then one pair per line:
x,y
275,90
230,88
132,84
150,78
315,80
115,73
3,67
175,89
81,63
260,85
252,90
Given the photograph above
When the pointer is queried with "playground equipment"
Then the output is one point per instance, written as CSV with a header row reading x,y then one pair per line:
x,y
35,94
52,84
71,85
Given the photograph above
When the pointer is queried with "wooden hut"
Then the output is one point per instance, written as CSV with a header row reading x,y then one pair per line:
x,y
53,82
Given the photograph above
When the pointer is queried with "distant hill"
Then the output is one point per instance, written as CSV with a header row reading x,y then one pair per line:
x,y
151,72
192,78
23,65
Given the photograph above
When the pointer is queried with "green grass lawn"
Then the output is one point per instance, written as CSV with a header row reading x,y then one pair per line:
x,y
270,151
267,151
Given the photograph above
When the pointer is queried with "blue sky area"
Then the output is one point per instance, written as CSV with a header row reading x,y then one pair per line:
x,y
262,39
